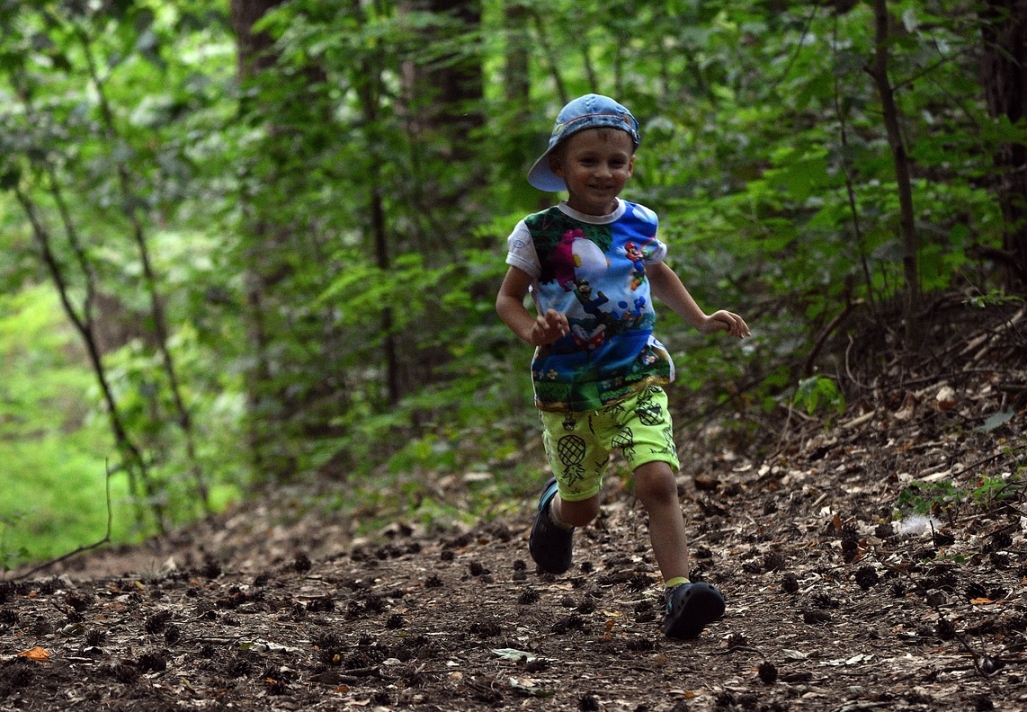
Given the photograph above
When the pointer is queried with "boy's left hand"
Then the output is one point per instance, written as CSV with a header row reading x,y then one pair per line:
x,y
727,321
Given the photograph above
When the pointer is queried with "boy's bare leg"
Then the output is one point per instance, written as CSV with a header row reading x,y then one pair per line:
x,y
577,514
657,488
690,606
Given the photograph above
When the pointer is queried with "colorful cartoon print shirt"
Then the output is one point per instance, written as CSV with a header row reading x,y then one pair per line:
x,y
592,268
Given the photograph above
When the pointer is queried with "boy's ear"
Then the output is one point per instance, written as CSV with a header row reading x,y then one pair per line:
x,y
555,165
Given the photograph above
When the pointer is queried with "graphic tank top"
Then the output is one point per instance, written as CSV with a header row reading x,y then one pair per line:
x,y
592,268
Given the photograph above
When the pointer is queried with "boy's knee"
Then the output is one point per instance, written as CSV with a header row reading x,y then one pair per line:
x,y
655,483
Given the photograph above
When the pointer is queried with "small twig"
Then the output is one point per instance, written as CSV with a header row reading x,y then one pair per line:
x,y
985,461
365,672
210,640
735,649
924,71
798,48
848,369
977,658
856,422
850,306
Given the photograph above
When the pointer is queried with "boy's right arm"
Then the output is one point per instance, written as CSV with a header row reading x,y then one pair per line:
x,y
537,331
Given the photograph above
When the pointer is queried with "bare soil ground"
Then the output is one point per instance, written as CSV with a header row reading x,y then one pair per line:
x,y
833,602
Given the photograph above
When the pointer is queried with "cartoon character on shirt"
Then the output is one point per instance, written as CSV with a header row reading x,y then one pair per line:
x,y
635,255
583,291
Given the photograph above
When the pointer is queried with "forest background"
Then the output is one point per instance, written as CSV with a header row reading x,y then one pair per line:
x,y
251,244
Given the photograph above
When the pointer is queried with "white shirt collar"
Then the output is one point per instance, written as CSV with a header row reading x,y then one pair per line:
x,y
594,219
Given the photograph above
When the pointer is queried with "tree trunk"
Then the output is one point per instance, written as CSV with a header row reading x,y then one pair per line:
x,y
1004,77
268,445
446,97
132,458
903,184
443,104
517,70
150,281
254,47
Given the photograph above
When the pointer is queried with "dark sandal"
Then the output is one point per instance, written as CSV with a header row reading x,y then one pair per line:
x,y
690,607
550,546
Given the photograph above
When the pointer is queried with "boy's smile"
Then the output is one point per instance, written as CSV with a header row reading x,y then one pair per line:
x,y
595,164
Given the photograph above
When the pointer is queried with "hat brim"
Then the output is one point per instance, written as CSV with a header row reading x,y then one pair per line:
x,y
542,177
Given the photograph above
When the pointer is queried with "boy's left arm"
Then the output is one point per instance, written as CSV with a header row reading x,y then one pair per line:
x,y
669,289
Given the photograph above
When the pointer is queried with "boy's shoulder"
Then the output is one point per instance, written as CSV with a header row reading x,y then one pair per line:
x,y
552,226
641,212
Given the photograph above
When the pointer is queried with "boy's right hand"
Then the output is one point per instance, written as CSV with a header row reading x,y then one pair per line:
x,y
724,320
549,327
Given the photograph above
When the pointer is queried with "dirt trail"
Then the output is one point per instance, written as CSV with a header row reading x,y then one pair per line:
x,y
832,603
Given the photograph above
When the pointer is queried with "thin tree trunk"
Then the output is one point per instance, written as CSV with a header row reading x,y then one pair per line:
x,y
442,102
910,243
254,54
517,87
135,466
367,79
384,263
551,56
133,462
267,442
517,70
850,191
150,281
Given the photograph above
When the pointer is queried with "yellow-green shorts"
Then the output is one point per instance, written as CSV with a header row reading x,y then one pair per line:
x,y
578,445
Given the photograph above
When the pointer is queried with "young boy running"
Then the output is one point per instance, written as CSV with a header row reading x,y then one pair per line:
x,y
592,265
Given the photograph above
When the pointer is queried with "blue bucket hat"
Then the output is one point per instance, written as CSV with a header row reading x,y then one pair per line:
x,y
586,112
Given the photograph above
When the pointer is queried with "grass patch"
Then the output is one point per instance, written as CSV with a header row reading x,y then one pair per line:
x,y
55,442
52,446
55,499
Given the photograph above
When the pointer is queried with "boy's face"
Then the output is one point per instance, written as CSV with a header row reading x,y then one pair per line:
x,y
595,164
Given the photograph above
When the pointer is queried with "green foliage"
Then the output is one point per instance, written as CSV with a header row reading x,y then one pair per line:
x,y
995,297
819,393
53,445
990,489
929,497
327,233
984,492
10,558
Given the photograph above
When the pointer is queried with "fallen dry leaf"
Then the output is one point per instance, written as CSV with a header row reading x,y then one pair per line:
x,y
38,654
